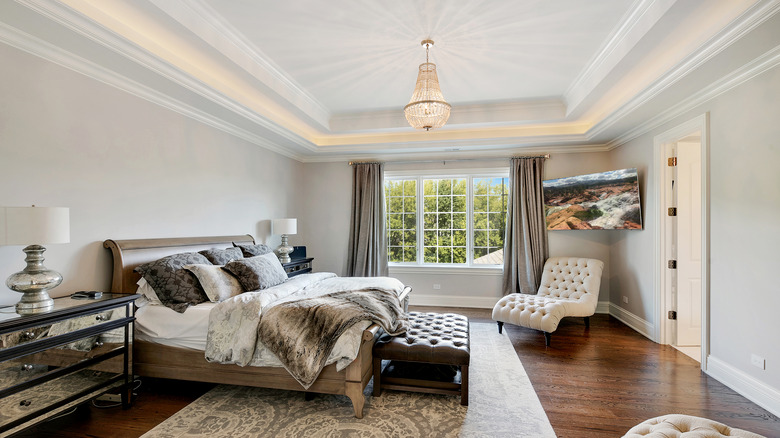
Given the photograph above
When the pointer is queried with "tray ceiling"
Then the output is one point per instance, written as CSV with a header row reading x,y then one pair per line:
x,y
328,80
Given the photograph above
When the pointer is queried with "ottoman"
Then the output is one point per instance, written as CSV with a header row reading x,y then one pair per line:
x,y
432,341
675,425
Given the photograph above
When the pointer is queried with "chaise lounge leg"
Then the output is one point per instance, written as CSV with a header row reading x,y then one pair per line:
x,y
587,322
547,337
500,326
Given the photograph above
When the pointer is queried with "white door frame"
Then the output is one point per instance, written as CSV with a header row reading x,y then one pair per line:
x,y
663,326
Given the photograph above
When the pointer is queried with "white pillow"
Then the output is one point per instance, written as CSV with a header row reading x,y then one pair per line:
x,y
148,295
218,284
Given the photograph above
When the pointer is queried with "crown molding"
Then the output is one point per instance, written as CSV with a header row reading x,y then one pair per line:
x,y
76,22
446,154
763,63
748,21
469,115
42,49
642,16
205,22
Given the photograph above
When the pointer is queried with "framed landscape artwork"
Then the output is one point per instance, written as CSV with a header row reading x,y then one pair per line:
x,y
597,201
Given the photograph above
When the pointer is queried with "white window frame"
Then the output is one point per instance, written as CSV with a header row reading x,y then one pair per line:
x,y
420,176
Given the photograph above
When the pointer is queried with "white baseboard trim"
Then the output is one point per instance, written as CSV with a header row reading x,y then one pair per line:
x,y
473,302
751,388
453,301
640,325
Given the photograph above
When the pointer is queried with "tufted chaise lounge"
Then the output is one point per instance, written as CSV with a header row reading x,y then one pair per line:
x,y
684,426
569,287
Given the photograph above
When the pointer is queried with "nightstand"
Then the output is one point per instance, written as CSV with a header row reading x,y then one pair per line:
x,y
298,266
52,361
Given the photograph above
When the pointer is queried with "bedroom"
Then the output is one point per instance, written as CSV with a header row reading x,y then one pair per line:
x,y
128,166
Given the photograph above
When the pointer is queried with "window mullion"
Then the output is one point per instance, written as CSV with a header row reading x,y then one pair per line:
x,y
420,221
469,221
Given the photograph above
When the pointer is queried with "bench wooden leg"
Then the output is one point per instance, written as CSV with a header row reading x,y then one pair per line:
x,y
547,337
500,326
587,322
464,385
377,377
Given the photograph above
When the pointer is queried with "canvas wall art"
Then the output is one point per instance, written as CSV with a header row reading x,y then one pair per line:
x,y
597,201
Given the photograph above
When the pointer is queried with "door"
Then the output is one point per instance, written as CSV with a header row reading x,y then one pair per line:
x,y
688,242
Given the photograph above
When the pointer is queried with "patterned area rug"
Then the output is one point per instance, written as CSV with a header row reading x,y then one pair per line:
x,y
502,403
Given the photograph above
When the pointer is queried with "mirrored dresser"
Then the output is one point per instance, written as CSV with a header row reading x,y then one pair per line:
x,y
52,361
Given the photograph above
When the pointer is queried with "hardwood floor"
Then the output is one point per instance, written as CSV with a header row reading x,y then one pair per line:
x,y
596,382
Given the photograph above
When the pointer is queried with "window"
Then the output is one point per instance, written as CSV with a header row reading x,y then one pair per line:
x,y
453,220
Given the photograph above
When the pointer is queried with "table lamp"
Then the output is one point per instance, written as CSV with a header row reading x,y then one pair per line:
x,y
33,226
284,227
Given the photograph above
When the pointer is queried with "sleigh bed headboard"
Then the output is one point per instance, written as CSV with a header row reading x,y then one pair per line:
x,y
130,253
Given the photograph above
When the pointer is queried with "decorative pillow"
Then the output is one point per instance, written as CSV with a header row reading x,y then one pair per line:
x,y
218,284
175,286
222,256
253,250
148,296
255,273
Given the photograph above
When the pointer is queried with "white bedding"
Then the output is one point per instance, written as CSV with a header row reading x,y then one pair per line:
x,y
162,325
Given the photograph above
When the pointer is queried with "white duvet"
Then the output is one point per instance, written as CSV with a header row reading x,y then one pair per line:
x,y
159,324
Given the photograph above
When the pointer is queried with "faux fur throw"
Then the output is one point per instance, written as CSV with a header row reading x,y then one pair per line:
x,y
302,333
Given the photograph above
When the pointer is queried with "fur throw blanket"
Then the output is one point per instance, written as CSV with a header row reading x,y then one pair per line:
x,y
302,333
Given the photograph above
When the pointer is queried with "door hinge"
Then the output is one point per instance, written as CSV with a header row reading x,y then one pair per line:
x,y
672,211
672,161
672,264
672,314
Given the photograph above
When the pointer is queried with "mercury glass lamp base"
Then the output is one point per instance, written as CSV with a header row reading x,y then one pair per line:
x,y
284,250
34,282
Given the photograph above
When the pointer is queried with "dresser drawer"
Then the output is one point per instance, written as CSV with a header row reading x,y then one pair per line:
x,y
33,334
37,401
19,370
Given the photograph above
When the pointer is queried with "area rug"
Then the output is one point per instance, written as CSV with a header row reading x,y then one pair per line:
x,y
502,403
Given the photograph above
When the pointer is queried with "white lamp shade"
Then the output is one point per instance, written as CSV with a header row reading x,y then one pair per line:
x,y
285,226
37,225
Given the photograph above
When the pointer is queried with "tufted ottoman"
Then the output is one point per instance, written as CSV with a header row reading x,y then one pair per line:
x,y
673,426
432,341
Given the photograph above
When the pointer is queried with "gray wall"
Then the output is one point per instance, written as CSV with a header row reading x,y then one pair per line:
x,y
126,168
327,202
744,199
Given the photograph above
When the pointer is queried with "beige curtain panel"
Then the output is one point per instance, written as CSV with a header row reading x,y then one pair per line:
x,y
525,243
367,256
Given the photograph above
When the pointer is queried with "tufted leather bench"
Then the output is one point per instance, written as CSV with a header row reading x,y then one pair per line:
x,y
434,339
684,426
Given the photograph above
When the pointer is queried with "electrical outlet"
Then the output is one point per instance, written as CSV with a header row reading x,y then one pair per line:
x,y
436,286
108,397
625,299
758,361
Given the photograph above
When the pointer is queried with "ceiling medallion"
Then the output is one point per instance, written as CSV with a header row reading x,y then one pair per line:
x,y
427,109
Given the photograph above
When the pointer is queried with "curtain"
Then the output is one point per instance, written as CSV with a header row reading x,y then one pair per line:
x,y
367,256
525,242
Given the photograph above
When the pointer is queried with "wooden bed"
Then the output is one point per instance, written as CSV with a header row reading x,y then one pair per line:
x,y
155,360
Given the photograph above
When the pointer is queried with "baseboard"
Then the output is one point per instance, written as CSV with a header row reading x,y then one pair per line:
x,y
473,302
751,388
640,325
452,301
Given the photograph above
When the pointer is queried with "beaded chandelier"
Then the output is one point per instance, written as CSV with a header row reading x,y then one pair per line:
x,y
427,109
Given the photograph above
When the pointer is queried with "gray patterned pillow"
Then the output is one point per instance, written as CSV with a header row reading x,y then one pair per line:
x,y
218,283
175,286
222,256
255,273
253,250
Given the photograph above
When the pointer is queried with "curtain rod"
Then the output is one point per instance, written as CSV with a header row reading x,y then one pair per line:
x,y
351,163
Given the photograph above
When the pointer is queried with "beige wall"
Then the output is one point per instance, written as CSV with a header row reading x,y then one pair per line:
x,y
125,167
